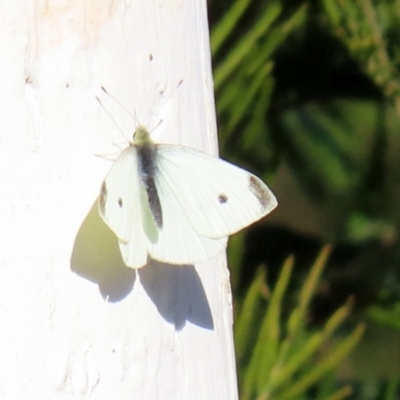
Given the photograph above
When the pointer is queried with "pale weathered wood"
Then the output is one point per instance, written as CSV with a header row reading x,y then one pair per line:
x,y
76,323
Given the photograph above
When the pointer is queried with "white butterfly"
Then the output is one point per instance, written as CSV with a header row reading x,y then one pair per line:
x,y
176,204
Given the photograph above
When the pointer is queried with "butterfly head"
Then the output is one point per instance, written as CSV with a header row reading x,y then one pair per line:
x,y
142,136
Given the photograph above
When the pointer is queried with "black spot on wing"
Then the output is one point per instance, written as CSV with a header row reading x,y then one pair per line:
x,y
120,202
223,198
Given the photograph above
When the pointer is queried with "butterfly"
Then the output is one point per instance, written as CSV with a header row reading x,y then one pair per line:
x,y
177,204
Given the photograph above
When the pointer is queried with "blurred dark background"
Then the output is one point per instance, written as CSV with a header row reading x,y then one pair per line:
x,y
308,98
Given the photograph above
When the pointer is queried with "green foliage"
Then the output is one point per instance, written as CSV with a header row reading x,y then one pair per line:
x,y
310,91
386,316
248,63
284,360
363,26
322,147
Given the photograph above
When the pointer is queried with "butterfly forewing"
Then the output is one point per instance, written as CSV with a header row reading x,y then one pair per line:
x,y
121,207
217,197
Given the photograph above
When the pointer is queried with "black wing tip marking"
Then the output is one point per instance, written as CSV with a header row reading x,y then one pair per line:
x,y
258,188
103,198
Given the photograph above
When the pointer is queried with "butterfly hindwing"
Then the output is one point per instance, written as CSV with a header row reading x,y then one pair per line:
x,y
177,241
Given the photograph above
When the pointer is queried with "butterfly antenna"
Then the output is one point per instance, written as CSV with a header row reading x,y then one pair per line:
x,y
118,102
158,109
112,119
158,124
171,94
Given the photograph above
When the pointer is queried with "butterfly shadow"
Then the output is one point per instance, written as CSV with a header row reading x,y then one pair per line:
x,y
176,291
178,294
96,257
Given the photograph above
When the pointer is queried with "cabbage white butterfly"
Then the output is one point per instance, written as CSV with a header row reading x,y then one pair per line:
x,y
177,204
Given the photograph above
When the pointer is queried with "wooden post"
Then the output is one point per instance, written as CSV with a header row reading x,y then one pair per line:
x,y
76,323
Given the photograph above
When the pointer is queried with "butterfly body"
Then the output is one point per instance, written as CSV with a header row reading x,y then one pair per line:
x,y
177,204
147,165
